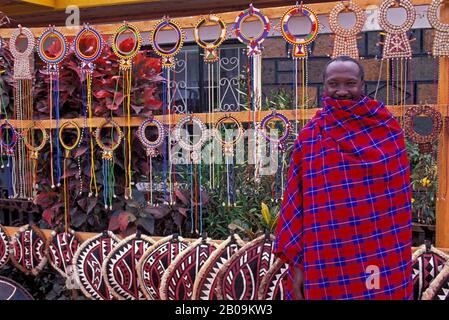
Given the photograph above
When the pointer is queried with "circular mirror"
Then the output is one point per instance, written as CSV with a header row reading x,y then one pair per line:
x,y
422,124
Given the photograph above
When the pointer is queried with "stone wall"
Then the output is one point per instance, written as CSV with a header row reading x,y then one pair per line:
x,y
421,80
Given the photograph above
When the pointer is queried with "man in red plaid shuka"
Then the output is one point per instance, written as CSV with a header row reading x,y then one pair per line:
x,y
345,222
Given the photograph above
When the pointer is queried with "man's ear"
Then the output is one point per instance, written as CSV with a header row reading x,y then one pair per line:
x,y
362,84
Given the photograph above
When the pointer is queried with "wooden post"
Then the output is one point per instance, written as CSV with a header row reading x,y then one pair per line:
x,y
442,205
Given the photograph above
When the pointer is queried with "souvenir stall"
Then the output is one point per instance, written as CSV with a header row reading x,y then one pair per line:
x,y
131,187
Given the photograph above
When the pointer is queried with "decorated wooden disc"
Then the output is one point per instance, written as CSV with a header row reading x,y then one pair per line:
x,y
274,284
27,250
427,264
205,284
155,262
241,276
11,290
177,282
61,248
120,267
88,260
439,287
4,247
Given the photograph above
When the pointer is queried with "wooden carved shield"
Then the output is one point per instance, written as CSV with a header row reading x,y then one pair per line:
x,y
11,290
27,250
241,276
4,247
177,281
61,248
274,284
155,262
427,264
88,260
120,267
439,287
206,281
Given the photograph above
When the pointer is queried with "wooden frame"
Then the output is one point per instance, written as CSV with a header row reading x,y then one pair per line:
x,y
241,116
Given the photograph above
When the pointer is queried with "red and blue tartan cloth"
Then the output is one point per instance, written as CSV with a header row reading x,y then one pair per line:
x,y
345,218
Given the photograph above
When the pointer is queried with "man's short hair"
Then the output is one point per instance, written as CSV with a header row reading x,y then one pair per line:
x,y
345,58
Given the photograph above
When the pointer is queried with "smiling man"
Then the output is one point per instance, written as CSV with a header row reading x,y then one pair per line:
x,y
345,222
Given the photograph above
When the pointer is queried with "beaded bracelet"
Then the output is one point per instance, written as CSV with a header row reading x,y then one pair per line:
x,y
151,146
167,55
67,147
424,141
254,43
228,146
126,57
210,48
299,43
262,128
108,150
34,149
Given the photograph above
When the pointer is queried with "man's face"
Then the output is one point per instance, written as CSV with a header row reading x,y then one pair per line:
x,y
342,81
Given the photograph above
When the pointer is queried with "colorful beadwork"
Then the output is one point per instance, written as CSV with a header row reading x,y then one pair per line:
x,y
253,43
52,62
151,146
168,60
126,57
299,42
345,43
210,48
87,60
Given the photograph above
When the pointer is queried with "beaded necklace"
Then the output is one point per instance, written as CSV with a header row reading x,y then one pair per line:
x,y
254,52
23,103
299,52
52,60
168,65
279,144
68,148
396,47
8,144
228,146
108,161
345,41
193,160
151,148
126,66
212,60
87,68
28,138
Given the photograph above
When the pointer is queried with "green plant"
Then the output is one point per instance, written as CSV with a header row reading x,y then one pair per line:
x,y
424,179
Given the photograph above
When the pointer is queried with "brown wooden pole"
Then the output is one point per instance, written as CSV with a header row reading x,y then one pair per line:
x,y
241,116
442,205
